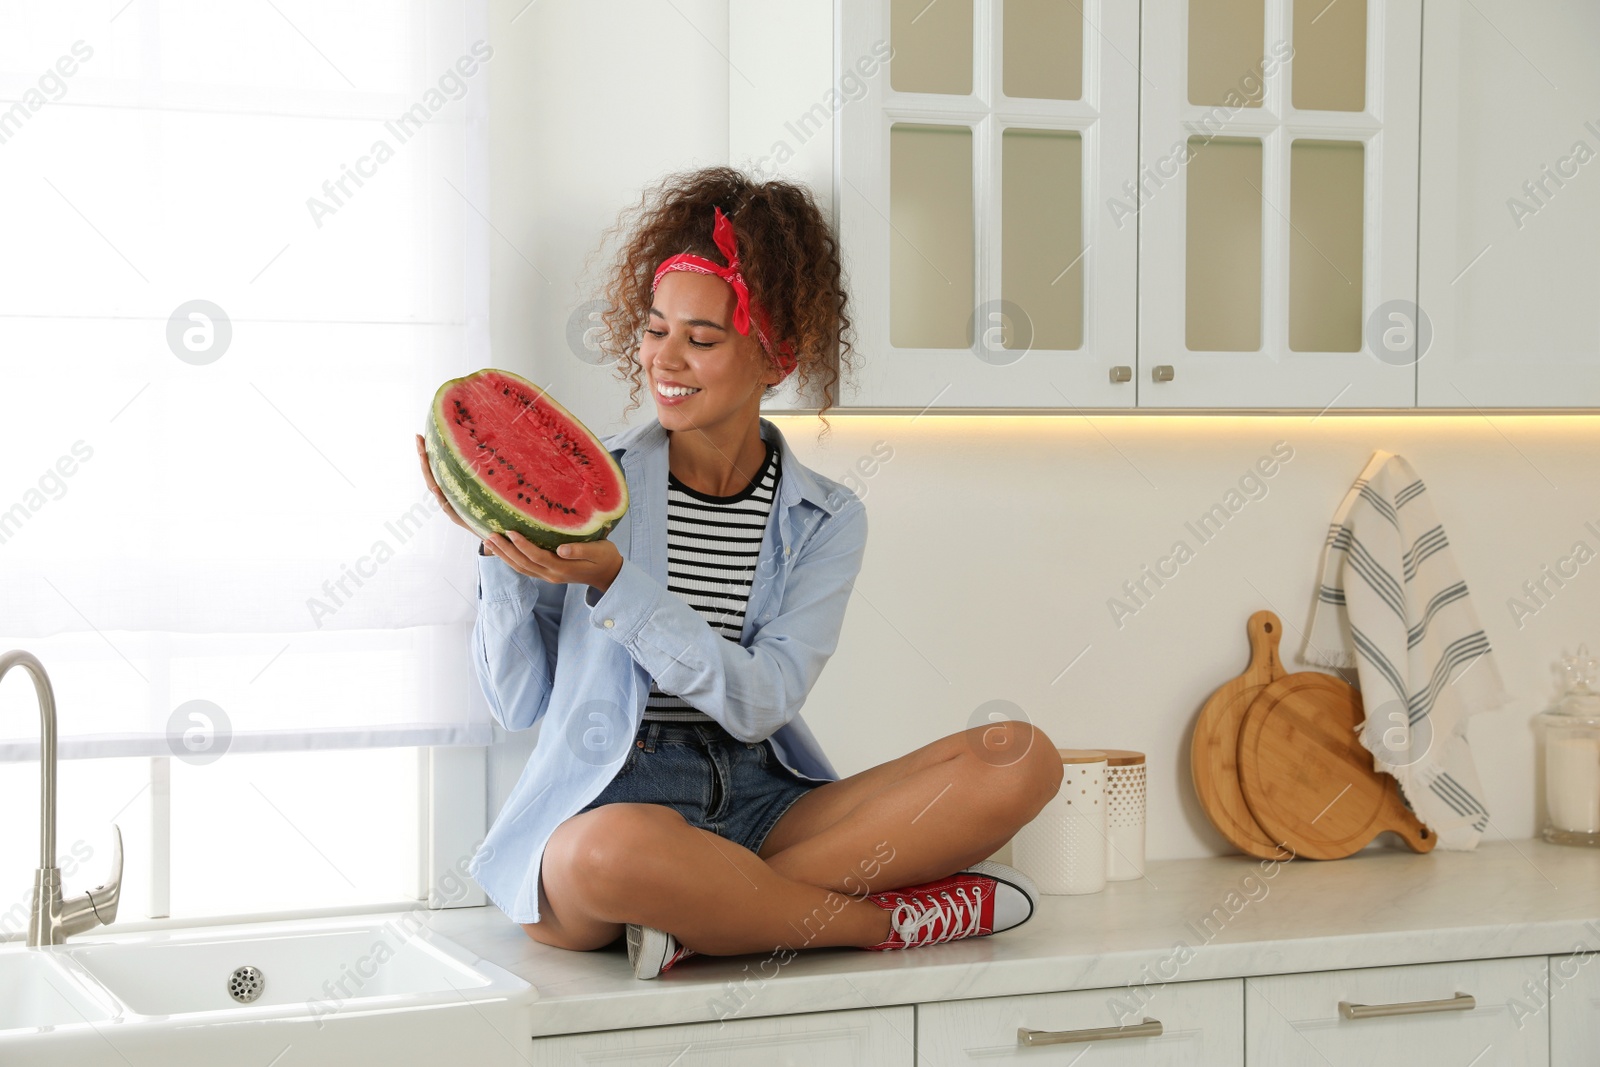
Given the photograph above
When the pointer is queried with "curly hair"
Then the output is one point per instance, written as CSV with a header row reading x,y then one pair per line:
x,y
788,255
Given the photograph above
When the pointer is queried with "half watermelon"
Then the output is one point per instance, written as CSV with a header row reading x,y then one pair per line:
x,y
508,457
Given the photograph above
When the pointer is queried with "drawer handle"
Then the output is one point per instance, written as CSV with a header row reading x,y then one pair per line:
x,y
1148,1028
1459,1002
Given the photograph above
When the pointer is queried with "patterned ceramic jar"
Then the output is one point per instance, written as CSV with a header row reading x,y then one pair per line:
x,y
1064,848
1124,814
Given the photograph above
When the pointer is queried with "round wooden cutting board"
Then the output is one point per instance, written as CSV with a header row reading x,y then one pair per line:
x,y
1214,752
1306,777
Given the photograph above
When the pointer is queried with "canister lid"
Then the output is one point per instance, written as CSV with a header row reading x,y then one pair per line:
x,y
1081,755
1122,757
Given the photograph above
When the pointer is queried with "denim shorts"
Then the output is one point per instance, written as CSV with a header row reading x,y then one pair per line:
x,y
735,789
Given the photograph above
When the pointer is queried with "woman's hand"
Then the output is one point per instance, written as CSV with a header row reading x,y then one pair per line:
x,y
593,563
444,502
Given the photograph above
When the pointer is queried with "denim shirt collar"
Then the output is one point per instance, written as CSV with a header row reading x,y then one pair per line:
x,y
647,444
641,537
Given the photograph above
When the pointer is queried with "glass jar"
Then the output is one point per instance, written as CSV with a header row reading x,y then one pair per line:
x,y
1572,756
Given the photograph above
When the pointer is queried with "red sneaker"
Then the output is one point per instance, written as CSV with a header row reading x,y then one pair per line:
x,y
983,899
652,951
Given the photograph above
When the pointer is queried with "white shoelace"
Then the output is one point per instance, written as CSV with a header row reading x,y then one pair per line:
x,y
964,918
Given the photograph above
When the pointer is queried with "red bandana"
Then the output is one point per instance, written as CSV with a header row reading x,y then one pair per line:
x,y
722,233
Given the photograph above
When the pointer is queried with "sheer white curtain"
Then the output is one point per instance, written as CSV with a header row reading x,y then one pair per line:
x,y
243,245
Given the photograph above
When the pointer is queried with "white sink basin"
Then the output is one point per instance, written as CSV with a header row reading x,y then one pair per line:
x,y
319,972
339,991
37,991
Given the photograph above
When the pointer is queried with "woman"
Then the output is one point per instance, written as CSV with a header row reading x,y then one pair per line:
x,y
676,795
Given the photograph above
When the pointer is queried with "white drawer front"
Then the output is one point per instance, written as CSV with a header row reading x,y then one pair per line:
x,y
1574,1006
869,1037
1295,1018
1202,1023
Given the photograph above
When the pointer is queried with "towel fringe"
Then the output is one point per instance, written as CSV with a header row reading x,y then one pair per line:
x,y
1331,660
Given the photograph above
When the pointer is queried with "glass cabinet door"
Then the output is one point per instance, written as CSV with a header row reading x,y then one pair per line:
x,y
1277,199
988,265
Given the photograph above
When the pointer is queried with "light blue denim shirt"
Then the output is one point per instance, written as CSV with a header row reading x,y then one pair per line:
x,y
582,662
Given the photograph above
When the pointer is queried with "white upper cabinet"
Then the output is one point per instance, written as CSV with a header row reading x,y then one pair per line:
x,y
1277,202
976,178
1510,225
1221,204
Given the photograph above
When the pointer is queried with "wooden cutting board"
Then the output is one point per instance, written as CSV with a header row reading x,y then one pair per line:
x,y
1214,752
1306,777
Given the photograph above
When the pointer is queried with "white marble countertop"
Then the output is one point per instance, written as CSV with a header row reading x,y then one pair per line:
x,y
1222,917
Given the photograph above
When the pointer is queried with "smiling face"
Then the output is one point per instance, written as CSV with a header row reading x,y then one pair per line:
x,y
703,374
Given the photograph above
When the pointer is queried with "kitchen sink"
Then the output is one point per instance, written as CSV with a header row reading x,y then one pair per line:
x,y
320,972
38,991
338,990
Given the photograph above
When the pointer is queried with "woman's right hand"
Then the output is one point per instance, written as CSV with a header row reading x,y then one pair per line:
x,y
438,494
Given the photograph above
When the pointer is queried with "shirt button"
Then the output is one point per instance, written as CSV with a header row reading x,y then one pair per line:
x,y
785,550
609,623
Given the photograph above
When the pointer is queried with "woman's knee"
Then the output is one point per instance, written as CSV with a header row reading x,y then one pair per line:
x,y
608,848
1045,772
1021,763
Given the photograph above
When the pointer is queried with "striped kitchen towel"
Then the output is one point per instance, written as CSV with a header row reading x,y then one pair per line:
x,y
1393,604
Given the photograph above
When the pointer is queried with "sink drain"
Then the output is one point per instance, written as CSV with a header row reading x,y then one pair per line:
x,y
245,984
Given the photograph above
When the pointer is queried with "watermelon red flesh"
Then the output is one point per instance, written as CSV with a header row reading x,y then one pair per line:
x,y
509,457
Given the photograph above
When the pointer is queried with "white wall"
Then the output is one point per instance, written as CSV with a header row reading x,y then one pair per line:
x,y
996,542
589,103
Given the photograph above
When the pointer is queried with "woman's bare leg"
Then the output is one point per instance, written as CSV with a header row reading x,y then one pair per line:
x,y
917,818
642,863
941,808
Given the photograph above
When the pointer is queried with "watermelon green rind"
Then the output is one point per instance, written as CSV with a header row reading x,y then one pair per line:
x,y
484,510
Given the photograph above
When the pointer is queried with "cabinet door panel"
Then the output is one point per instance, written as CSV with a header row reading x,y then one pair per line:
x,y
1509,266
1574,1006
820,1039
1201,1025
1272,236
989,263
1296,1018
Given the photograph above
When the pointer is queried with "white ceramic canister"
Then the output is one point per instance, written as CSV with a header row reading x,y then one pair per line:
x,y
1124,814
1063,849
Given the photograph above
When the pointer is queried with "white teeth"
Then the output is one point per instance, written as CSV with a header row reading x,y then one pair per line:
x,y
675,390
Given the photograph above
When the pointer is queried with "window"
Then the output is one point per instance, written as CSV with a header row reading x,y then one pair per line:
x,y
254,245
249,834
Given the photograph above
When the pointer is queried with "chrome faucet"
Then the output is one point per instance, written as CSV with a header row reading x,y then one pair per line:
x,y
52,919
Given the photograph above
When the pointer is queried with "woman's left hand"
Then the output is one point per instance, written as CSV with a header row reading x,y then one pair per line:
x,y
593,563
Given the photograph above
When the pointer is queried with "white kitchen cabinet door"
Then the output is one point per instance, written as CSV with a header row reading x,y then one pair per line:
x,y
868,1037
975,177
1277,202
1573,1003
1510,265
1201,1024
1297,1018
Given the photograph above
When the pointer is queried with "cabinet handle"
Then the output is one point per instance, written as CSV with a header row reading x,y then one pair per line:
x,y
1122,374
1162,373
1148,1028
1459,1002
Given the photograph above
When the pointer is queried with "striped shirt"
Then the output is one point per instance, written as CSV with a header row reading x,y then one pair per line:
x,y
713,543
